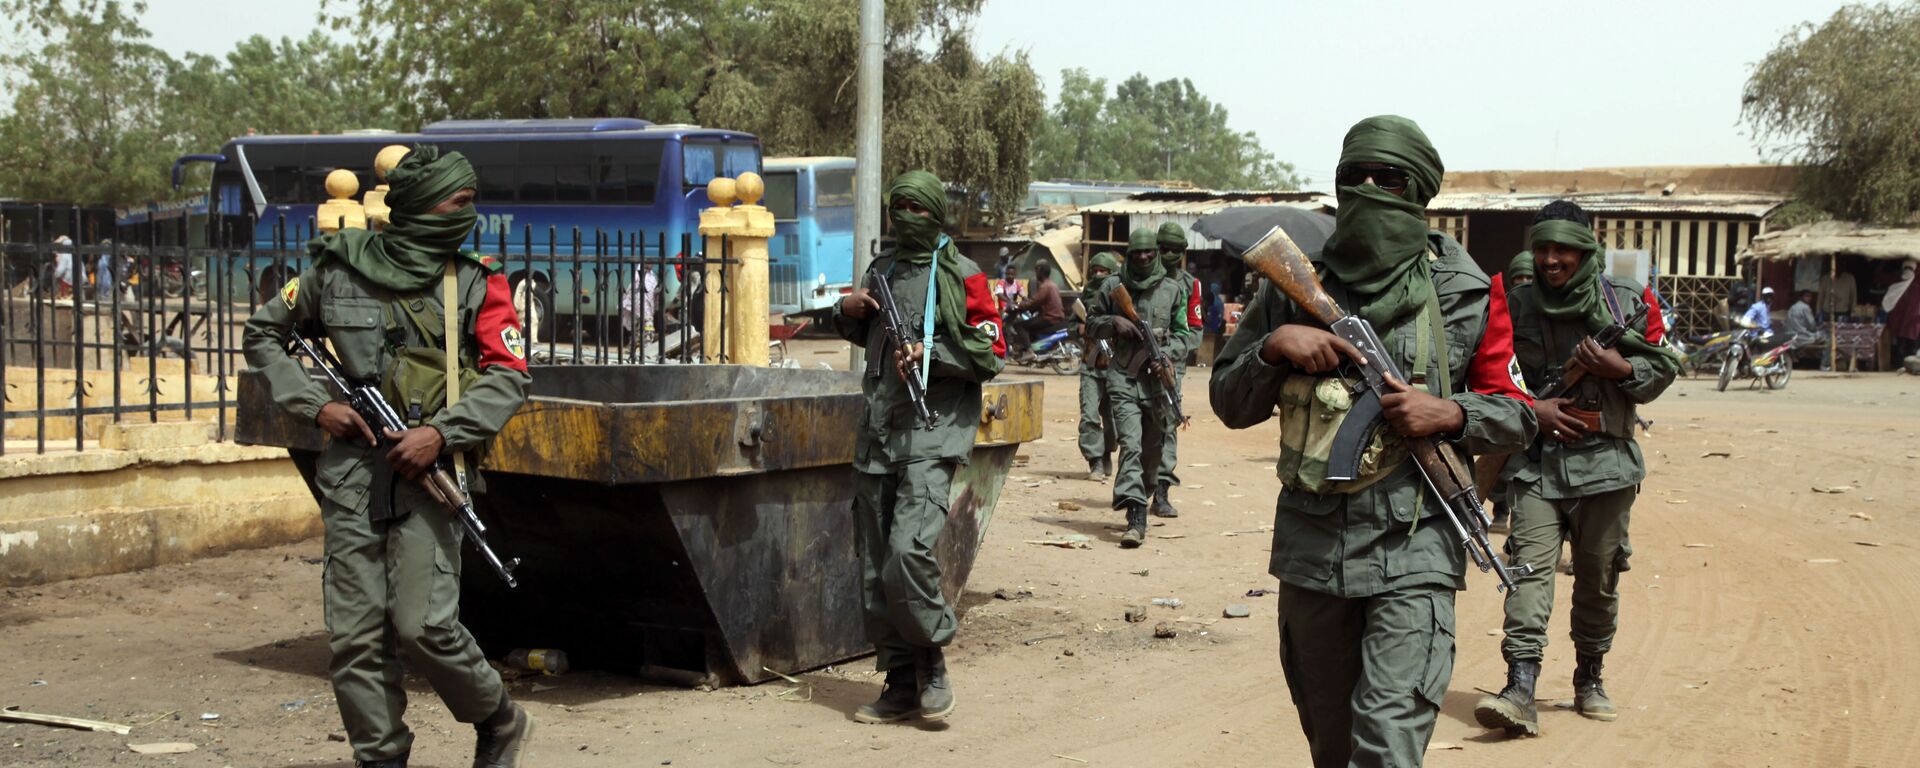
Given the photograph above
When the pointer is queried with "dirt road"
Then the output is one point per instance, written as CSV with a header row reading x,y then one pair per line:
x,y
1764,624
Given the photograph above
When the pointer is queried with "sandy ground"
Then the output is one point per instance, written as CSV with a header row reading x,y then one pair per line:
x,y
1765,624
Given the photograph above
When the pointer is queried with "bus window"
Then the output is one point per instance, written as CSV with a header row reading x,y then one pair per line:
x,y
703,160
493,162
833,188
629,165
572,183
536,183
783,190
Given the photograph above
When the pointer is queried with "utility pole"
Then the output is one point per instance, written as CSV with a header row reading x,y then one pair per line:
x,y
866,149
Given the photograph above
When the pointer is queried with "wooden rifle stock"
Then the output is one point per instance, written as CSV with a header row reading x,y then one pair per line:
x,y
1282,263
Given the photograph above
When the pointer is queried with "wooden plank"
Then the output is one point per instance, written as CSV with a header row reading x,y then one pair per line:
x,y
60,721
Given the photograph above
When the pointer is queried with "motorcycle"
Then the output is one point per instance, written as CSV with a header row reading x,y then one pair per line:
x,y
1772,367
1060,350
1702,352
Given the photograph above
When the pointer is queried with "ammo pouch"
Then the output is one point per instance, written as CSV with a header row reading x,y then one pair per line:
x,y
1312,408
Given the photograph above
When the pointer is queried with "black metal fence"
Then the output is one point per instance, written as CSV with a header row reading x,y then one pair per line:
x,y
113,331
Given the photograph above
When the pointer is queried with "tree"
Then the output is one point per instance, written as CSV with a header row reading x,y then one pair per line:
x,y
85,121
1150,131
780,69
1843,100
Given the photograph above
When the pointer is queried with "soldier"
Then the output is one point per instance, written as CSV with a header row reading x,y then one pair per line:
x,y
1141,416
392,577
1172,243
902,472
1097,439
1580,479
1367,569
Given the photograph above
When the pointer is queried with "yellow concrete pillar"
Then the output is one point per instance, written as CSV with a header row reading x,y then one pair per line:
x,y
376,199
749,301
716,223
340,211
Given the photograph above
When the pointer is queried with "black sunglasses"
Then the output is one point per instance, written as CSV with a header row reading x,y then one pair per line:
x,y
1384,176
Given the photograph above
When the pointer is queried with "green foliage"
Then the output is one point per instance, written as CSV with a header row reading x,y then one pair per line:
x,y
1150,131
98,114
1843,99
780,69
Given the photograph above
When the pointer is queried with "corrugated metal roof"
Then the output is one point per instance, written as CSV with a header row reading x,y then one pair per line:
x,y
1750,206
1153,203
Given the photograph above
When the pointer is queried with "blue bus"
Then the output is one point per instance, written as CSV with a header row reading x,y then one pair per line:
x,y
612,174
811,255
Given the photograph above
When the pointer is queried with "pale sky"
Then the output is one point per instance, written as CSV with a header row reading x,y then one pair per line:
x,y
1509,84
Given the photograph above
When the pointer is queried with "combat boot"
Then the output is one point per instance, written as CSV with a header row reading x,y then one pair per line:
x,y
899,700
1589,698
1097,470
1136,526
936,691
1161,506
503,737
1513,709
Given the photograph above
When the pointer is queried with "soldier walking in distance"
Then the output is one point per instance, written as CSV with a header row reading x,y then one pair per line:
x,y
903,472
1579,479
392,577
1368,567
1097,440
1172,242
1141,416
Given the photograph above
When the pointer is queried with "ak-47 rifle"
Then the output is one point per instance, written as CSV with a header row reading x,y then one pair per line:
x,y
1572,371
1158,363
901,337
1105,349
1446,474
367,401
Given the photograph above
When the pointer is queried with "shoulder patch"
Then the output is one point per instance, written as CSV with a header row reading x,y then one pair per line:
x,y
290,292
493,265
515,343
1519,379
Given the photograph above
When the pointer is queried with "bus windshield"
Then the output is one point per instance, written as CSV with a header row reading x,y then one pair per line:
x,y
833,188
701,161
783,194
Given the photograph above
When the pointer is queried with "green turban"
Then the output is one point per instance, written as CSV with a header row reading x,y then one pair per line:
x,y
1520,266
917,240
1142,239
1379,237
412,252
1171,237
1142,278
1107,260
1580,299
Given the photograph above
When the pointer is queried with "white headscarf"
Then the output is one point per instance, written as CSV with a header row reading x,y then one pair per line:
x,y
1899,288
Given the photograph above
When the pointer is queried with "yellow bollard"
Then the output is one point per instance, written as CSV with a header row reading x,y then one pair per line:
x,y
340,211
716,223
749,302
376,198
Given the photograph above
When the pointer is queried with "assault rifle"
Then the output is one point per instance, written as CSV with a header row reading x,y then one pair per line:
x,y
1446,474
1105,348
902,338
1158,363
1572,371
367,401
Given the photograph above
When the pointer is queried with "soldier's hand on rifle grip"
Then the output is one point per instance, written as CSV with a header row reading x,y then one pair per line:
x,y
858,304
1414,413
415,451
906,360
1556,425
344,423
1601,361
1308,349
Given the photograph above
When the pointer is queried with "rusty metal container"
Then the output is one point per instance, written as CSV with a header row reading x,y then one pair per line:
x,y
688,522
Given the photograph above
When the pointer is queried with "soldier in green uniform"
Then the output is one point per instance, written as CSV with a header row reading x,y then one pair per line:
x,y
1141,417
903,472
1097,439
1367,567
1171,240
1580,479
392,577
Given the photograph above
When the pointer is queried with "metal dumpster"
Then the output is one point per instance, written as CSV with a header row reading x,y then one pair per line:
x,y
687,522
